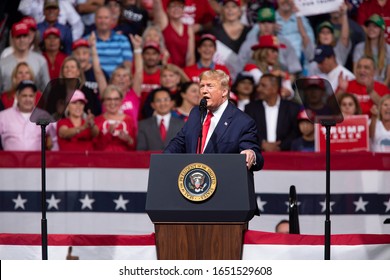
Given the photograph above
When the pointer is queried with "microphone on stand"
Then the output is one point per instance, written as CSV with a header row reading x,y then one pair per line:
x,y
203,111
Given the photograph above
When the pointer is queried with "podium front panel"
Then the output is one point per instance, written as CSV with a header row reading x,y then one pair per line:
x,y
232,201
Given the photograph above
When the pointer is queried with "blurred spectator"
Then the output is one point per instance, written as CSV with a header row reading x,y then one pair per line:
x,y
75,132
189,98
129,84
364,87
371,7
16,131
315,95
304,143
179,38
349,105
51,12
33,34
231,35
87,9
267,26
275,117
22,52
325,36
151,56
244,89
283,227
153,34
155,132
328,68
22,71
198,13
296,30
356,32
207,48
380,126
135,16
113,49
171,77
116,130
51,50
376,47
251,10
68,14
266,58
86,53
71,69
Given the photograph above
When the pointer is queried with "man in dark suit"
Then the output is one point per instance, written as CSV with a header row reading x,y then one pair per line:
x,y
276,118
230,130
155,132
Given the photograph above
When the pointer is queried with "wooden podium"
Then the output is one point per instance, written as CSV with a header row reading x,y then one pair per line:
x,y
197,241
210,229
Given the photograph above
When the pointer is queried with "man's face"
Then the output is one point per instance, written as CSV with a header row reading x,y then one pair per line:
x,y
213,92
365,71
26,100
103,20
52,43
325,65
51,14
265,89
285,5
162,103
21,43
151,57
207,49
82,54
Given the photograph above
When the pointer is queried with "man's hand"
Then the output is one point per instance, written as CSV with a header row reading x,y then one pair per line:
x,y
250,157
271,146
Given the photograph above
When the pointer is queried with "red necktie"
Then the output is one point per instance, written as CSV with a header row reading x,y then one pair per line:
x,y
163,130
205,129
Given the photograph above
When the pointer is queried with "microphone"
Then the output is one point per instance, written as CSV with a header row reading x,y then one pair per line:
x,y
202,109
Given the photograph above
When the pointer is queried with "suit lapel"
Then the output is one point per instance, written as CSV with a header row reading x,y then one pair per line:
x,y
220,129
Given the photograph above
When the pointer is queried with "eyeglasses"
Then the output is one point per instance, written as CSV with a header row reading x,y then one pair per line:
x,y
115,99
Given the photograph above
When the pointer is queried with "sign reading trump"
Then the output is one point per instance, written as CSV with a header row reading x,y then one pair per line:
x,y
349,135
315,7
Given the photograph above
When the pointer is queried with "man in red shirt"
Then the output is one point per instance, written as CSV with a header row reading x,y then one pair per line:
x,y
151,56
206,49
364,87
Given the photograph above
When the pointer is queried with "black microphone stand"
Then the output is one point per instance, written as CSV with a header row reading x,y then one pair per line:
x,y
43,124
327,124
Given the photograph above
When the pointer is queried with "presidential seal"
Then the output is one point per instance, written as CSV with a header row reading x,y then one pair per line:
x,y
197,182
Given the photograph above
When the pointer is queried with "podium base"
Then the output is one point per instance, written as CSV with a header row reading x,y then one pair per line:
x,y
200,241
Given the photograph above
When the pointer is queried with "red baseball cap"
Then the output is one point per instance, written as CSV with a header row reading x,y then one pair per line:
x,y
306,114
268,41
152,45
237,2
19,29
30,21
80,43
51,31
205,37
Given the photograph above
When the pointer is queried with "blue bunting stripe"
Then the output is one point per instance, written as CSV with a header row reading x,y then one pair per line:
x,y
134,202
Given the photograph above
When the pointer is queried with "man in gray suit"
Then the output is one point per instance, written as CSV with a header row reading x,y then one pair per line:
x,y
154,133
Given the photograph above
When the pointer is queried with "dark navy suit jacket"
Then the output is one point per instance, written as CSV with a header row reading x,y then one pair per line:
x,y
235,132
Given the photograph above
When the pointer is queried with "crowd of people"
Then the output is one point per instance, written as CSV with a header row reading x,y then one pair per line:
x,y
139,63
